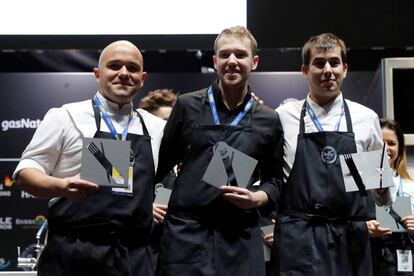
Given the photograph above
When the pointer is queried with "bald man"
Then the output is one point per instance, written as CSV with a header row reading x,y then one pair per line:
x,y
96,230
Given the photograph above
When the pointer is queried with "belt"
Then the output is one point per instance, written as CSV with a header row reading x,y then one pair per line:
x,y
321,218
324,220
218,218
103,234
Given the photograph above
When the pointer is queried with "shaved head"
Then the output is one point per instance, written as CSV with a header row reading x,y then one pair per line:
x,y
117,44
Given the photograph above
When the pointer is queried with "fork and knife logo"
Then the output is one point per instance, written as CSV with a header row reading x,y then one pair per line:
x,y
111,171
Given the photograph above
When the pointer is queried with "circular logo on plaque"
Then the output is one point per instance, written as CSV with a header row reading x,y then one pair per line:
x,y
158,187
328,155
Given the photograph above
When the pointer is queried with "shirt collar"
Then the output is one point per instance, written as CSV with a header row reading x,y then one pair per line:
x,y
335,105
219,101
112,107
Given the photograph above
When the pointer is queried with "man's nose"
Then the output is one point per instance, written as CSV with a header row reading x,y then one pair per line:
x,y
327,69
123,71
232,58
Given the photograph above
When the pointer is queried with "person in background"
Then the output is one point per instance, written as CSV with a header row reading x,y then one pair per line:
x,y
386,243
268,241
96,230
211,231
159,102
321,229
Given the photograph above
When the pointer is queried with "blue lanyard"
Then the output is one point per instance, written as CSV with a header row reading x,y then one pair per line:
x,y
108,121
400,191
316,121
214,113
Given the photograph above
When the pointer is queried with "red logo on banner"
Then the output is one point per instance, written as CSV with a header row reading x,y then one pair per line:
x,y
7,181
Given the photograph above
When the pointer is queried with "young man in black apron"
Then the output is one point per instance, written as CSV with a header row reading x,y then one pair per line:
x,y
96,231
321,229
211,231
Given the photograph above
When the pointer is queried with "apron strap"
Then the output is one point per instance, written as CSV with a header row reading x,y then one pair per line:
x,y
302,122
348,117
144,127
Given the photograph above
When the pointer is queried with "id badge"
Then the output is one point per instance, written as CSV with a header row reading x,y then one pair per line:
x,y
129,190
404,260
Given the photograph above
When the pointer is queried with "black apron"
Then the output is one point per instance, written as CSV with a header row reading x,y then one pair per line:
x,y
105,233
216,238
321,229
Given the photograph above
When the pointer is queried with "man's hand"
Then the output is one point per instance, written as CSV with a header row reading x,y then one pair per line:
x,y
243,198
408,221
374,229
256,98
76,189
39,184
268,239
158,212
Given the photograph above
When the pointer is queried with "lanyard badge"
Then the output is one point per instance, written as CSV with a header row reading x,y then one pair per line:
x,y
316,121
108,121
115,174
404,261
214,113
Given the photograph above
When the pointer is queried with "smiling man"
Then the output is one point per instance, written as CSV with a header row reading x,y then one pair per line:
x,y
321,229
96,231
211,231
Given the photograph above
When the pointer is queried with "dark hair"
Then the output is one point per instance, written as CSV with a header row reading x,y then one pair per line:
x,y
400,163
156,99
322,41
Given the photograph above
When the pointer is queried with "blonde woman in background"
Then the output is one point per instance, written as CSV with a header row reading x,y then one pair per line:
x,y
385,247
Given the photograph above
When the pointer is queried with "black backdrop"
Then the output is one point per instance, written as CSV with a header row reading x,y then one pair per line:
x,y
368,23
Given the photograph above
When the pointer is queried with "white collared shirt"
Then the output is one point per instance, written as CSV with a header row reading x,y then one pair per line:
x,y
57,143
365,125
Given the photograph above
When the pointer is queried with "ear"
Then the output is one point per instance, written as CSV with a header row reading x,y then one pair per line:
x,y
144,76
345,69
96,73
304,69
255,62
215,61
